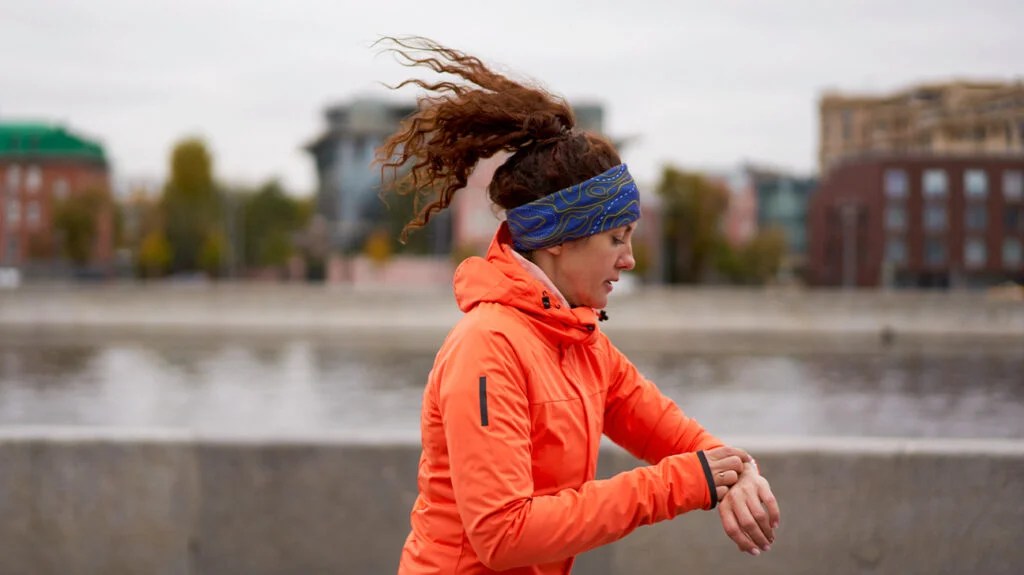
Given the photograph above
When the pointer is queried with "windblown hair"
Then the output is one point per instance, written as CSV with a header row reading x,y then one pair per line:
x,y
456,124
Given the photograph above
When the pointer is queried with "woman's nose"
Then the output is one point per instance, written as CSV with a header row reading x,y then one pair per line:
x,y
627,262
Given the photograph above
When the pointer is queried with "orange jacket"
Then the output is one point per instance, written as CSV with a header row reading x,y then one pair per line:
x,y
513,413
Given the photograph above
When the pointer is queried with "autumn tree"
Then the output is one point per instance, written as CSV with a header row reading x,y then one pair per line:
x,y
77,220
764,255
692,210
212,253
190,204
755,262
271,220
155,254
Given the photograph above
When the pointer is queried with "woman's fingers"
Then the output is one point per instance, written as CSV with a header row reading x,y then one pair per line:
x,y
726,478
732,528
749,510
732,463
725,452
748,524
764,493
760,515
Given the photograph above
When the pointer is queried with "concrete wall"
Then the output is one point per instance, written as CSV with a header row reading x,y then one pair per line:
x,y
645,318
153,502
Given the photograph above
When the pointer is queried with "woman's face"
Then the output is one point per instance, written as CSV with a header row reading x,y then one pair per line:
x,y
584,270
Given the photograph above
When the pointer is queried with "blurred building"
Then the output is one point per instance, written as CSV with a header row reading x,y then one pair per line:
x,y
348,193
952,118
783,200
920,221
762,198
41,166
739,222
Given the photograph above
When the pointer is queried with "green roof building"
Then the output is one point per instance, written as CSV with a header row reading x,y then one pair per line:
x,y
29,141
42,165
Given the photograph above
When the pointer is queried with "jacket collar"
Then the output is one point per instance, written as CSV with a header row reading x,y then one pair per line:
x,y
501,278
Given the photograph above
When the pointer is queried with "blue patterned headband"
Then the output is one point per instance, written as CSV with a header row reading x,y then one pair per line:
x,y
604,202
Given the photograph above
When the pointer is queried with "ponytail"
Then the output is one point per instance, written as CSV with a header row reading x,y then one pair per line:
x,y
457,123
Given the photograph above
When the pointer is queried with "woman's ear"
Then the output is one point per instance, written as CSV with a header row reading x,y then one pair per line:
x,y
554,250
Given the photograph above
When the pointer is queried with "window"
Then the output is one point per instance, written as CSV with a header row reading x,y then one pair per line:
x,y
896,183
13,213
975,184
896,218
976,217
935,183
896,251
32,214
935,252
33,179
1013,219
359,149
974,252
13,177
1012,255
13,249
1013,185
935,217
60,189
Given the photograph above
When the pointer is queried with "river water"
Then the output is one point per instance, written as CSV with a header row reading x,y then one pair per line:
x,y
311,384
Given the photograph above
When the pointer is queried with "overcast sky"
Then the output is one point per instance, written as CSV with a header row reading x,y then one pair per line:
x,y
708,83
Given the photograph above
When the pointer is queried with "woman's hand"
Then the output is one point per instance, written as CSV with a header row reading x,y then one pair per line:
x,y
726,463
749,512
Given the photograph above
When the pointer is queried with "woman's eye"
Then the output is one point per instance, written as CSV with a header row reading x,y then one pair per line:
x,y
617,241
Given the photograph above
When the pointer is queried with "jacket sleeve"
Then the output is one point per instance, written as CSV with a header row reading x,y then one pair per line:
x,y
486,417
643,420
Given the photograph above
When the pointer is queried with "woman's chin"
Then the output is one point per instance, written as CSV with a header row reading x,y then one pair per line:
x,y
596,300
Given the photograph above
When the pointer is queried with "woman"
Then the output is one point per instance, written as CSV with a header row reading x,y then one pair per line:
x,y
526,383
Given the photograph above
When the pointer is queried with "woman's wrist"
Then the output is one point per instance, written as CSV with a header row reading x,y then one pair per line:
x,y
751,467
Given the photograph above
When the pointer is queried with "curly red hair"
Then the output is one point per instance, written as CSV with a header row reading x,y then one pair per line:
x,y
456,124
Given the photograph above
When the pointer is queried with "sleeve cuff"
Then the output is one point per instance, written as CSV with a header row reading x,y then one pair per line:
x,y
710,479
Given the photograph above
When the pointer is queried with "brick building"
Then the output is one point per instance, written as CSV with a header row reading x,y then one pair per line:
x,y
922,221
952,118
40,166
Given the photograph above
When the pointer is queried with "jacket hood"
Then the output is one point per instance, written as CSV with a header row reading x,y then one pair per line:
x,y
500,278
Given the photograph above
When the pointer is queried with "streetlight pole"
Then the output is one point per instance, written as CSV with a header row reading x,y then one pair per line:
x,y
848,215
